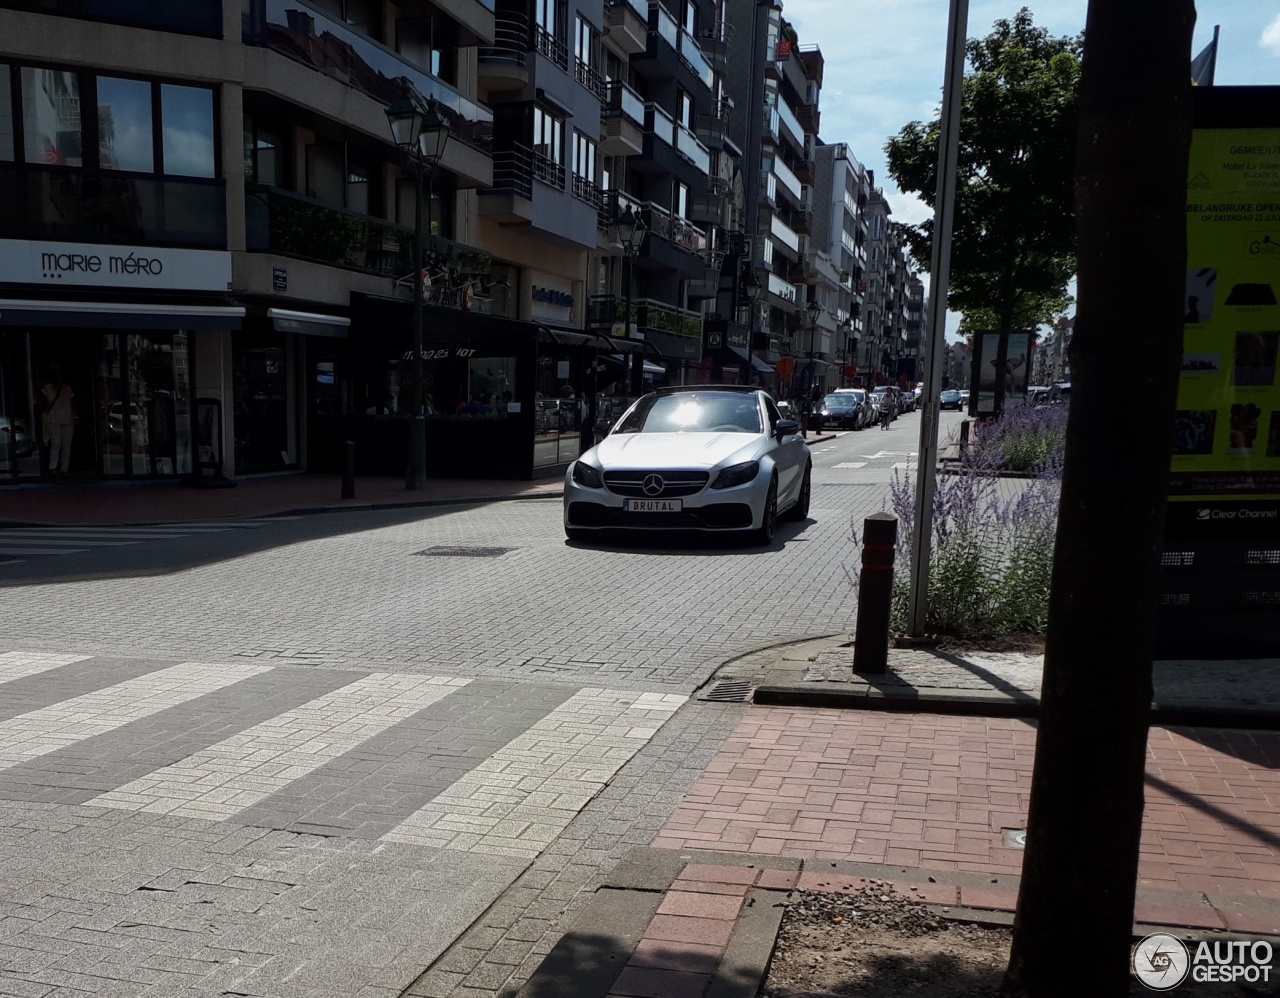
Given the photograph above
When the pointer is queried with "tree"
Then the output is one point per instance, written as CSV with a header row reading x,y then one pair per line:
x,y
1013,246
1080,869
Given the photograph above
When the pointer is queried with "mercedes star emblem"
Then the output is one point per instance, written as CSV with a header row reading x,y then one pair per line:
x,y
653,485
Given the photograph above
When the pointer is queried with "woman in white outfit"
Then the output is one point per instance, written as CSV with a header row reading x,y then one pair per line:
x,y
60,413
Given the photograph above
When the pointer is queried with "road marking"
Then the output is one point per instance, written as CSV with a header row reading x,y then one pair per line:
x,y
851,464
16,664
39,732
519,800
238,772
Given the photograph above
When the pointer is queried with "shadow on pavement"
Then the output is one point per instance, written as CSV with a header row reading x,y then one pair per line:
x,y
680,544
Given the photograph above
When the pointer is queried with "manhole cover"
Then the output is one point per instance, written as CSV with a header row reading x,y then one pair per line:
x,y
1015,838
732,691
462,552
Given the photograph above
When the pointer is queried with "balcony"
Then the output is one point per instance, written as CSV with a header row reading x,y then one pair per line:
x,y
714,42
606,311
504,65
801,220
806,171
692,55
708,206
688,146
194,17
288,224
510,199
672,243
555,49
784,236
672,53
589,77
626,24
790,126
713,128
325,44
809,117
672,149
788,181
612,205
588,191
622,125
548,171
78,206
783,290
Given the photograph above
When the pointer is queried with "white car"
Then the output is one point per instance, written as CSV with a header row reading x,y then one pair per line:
x,y
705,458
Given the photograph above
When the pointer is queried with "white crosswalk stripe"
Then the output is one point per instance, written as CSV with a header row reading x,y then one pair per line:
x,y
516,802
242,770
24,542
17,664
39,732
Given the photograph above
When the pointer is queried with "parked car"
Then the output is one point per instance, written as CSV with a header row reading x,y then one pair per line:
x,y
950,399
906,400
840,410
699,458
1060,393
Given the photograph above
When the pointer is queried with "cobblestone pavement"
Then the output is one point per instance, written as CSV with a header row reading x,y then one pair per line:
x,y
934,792
322,765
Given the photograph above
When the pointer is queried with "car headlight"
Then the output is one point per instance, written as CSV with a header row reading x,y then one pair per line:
x,y
586,476
737,474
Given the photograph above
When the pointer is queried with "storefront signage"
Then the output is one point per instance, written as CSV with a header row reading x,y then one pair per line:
x,y
132,267
463,352
553,297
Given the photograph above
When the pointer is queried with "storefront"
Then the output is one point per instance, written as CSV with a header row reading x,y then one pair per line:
x,y
505,398
115,340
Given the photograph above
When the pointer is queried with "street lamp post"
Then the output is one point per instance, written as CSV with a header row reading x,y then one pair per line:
x,y
631,229
421,133
813,309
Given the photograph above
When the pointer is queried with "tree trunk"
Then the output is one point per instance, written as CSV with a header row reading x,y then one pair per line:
x,y
1080,869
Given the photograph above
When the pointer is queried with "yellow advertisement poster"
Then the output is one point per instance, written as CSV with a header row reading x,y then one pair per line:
x,y
1227,444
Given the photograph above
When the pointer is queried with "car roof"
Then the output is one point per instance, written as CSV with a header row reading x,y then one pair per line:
x,y
680,389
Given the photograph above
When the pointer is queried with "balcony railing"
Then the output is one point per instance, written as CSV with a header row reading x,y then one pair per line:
x,y
513,171
784,234
664,24
646,313
548,171
313,38
613,204
555,49
660,123
590,77
790,122
54,203
690,148
693,57
586,190
786,178
675,230
510,41
781,288
621,99
278,221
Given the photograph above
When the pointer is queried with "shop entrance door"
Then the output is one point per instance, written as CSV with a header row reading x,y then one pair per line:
x,y
143,395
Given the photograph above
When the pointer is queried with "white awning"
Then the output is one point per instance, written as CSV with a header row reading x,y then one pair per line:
x,y
118,315
285,320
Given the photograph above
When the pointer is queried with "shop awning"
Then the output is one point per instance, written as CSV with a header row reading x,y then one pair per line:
x,y
649,366
756,363
675,347
118,315
285,320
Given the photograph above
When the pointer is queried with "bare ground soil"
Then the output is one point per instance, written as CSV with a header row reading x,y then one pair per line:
x,y
879,943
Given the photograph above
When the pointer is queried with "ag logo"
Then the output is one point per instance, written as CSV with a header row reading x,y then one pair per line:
x,y
1161,962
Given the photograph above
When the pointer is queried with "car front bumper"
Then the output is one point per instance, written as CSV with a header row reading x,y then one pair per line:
x,y
740,508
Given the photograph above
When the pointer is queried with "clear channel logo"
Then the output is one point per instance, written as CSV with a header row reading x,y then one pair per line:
x,y
1207,513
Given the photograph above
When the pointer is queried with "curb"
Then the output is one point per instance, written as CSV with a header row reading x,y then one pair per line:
x,y
980,704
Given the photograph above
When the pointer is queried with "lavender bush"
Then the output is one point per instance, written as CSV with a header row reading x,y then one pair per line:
x,y
992,544
1025,438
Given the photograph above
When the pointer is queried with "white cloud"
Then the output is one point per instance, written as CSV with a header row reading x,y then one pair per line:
x,y
1271,36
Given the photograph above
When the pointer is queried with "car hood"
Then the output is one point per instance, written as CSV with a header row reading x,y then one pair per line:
x,y
675,450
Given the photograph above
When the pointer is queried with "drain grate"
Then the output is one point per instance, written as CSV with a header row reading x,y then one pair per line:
x,y
730,691
1015,838
462,551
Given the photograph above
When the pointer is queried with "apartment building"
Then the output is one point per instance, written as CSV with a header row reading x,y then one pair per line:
x,y
837,253
211,231
887,304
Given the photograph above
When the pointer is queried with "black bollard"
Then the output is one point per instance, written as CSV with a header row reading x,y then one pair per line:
x,y
875,593
964,436
349,470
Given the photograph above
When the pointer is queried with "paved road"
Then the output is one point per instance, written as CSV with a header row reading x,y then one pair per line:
x,y
302,757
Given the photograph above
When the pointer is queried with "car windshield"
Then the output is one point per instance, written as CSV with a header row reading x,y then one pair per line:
x,y
950,395
694,412
838,402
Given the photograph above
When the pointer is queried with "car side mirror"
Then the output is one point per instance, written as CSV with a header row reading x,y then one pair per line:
x,y
787,428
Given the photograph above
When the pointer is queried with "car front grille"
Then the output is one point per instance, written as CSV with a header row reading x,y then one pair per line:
x,y
717,516
675,483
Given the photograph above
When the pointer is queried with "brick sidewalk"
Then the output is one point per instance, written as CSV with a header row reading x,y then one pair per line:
x,y
936,792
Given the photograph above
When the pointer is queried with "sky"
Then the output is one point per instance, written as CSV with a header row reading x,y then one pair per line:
x,y
884,63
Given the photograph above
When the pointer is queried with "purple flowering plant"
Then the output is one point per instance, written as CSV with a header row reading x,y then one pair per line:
x,y
993,536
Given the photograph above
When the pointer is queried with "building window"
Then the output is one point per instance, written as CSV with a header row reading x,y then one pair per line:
x,y
680,199
6,114
584,156
430,42
684,109
125,132
265,154
51,117
690,17
186,116
548,147
551,30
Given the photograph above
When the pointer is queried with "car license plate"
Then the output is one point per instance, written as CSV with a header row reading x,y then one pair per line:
x,y
652,505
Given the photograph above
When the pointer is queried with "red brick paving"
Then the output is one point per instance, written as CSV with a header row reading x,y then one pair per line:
x,y
935,792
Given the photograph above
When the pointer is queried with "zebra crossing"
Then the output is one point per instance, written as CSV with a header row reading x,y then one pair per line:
x,y
478,766
17,544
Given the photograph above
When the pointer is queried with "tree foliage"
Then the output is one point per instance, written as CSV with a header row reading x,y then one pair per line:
x,y
1013,245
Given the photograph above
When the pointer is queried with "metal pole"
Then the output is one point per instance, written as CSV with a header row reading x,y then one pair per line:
x,y
416,467
940,271
637,358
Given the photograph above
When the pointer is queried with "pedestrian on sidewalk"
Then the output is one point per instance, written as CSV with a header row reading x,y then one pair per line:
x,y
59,420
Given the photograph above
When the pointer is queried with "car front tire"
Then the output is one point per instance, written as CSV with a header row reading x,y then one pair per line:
x,y
769,521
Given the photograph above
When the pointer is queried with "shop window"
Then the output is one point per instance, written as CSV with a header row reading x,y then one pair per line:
x,y
6,114
187,129
491,383
126,139
51,117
